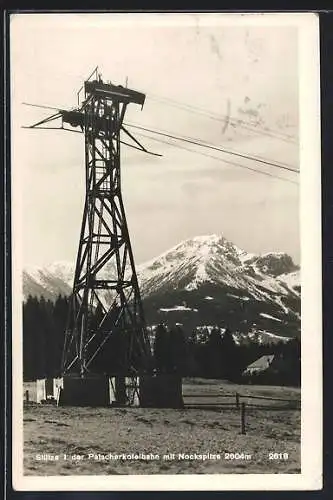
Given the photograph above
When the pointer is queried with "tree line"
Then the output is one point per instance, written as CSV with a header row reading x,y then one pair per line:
x,y
214,353
208,353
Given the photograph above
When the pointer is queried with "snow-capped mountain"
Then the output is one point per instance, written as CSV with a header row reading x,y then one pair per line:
x,y
48,281
209,280
213,259
204,281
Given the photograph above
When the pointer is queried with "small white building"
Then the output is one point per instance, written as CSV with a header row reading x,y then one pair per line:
x,y
259,365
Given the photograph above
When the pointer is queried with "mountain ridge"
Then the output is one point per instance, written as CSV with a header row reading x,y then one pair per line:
x,y
202,281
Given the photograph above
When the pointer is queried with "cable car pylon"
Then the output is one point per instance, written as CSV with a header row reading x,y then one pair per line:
x,y
106,332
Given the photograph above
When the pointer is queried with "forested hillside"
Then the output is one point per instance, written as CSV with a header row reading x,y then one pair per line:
x,y
206,352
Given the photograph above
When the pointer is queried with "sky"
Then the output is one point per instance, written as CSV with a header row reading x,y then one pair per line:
x,y
195,69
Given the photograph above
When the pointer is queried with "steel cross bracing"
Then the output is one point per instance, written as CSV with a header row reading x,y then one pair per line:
x,y
106,319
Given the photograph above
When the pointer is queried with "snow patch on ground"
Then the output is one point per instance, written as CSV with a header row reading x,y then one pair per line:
x,y
191,286
274,335
177,308
285,309
238,297
291,279
244,257
264,315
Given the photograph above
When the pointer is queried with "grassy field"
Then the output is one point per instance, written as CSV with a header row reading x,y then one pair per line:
x,y
83,433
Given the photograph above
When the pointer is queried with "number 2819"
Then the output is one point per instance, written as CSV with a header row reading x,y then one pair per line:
x,y
278,456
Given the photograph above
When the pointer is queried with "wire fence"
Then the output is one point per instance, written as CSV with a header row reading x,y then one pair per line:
x,y
239,402
235,399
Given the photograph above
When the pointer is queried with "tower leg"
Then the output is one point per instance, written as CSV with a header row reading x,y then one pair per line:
x,y
120,390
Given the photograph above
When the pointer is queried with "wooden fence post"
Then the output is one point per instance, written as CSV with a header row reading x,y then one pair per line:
x,y
237,400
27,396
243,418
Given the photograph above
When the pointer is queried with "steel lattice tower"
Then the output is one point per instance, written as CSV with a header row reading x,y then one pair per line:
x,y
105,304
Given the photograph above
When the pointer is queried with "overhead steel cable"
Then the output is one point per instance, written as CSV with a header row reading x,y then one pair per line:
x,y
225,118
197,142
202,141
210,114
214,148
229,162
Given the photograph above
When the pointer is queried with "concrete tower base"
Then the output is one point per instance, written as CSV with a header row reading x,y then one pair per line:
x,y
161,391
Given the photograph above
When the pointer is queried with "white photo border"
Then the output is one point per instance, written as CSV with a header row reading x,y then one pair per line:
x,y
310,477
